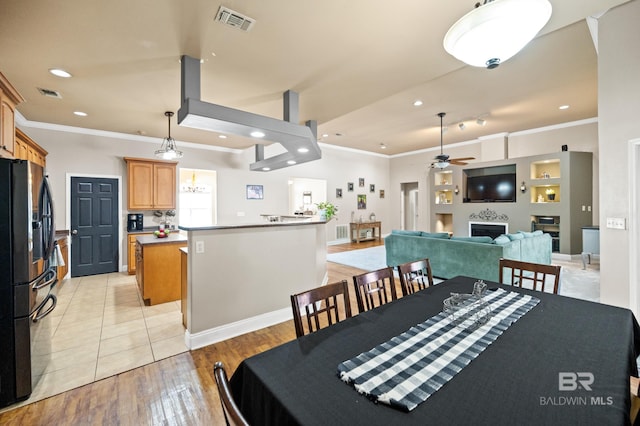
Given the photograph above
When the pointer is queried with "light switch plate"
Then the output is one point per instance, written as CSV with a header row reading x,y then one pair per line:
x,y
199,246
616,223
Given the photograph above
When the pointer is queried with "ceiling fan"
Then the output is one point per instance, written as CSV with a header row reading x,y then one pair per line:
x,y
442,160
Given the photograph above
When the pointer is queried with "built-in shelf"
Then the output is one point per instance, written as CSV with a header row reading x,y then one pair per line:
x,y
549,225
545,169
443,178
549,193
444,196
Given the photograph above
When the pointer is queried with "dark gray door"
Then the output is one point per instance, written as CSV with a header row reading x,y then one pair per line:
x,y
94,226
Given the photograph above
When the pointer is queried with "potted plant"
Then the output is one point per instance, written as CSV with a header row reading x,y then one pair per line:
x,y
551,194
326,210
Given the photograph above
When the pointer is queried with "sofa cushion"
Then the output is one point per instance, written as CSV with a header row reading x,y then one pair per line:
x,y
502,239
526,234
403,232
538,232
444,235
487,240
514,237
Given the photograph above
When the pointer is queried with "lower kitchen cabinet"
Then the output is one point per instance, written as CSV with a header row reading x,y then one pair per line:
x,y
158,269
62,270
131,266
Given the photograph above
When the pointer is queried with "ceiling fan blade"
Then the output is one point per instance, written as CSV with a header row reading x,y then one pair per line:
x,y
458,163
463,159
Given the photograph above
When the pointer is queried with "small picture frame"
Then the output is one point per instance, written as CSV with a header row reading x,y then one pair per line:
x,y
382,193
361,182
255,192
362,201
372,188
338,192
350,186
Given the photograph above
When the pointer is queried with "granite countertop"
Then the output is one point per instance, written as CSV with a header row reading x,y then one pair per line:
x,y
148,229
251,225
173,237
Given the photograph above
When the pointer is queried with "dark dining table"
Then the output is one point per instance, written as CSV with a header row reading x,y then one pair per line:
x,y
566,361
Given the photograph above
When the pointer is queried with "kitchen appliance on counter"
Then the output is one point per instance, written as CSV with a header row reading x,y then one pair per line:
x,y
135,222
27,237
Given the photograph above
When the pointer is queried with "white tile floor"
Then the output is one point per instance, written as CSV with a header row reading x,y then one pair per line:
x,y
101,327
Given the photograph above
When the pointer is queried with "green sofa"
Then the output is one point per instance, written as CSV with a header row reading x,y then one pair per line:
x,y
476,257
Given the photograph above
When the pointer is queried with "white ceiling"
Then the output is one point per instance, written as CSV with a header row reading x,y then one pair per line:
x,y
357,65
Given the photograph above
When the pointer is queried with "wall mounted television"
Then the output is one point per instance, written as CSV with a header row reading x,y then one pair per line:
x,y
491,184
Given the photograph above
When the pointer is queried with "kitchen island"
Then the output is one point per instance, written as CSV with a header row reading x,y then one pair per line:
x,y
158,267
240,277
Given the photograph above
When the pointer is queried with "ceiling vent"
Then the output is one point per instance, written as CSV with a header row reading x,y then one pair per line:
x,y
50,93
234,19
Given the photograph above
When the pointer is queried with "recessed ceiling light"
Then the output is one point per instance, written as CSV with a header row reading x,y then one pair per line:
x,y
325,135
303,150
462,126
222,136
257,134
291,162
417,103
80,113
59,72
383,146
481,121
563,107
266,169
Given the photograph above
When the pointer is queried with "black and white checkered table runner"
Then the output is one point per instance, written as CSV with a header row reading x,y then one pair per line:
x,y
406,370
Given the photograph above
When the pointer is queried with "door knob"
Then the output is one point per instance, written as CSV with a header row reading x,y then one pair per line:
x,y
74,232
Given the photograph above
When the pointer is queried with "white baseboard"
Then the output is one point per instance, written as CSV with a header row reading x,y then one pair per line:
x,y
227,331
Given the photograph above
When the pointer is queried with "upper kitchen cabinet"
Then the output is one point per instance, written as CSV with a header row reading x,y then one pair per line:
x,y
27,149
9,98
152,184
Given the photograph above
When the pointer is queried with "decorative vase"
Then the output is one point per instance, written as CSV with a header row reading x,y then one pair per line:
x,y
323,214
551,197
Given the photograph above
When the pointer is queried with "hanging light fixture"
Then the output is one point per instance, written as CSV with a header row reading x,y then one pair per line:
x,y
168,149
496,30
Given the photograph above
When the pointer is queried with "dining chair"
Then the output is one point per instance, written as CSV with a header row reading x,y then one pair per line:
x,y
525,274
321,307
231,412
415,276
634,385
374,288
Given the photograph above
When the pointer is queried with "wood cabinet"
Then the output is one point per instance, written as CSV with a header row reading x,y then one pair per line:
x,y
9,98
183,285
151,184
131,252
158,271
62,270
27,149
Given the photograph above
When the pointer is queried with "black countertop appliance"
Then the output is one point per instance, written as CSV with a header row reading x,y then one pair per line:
x,y
135,222
27,237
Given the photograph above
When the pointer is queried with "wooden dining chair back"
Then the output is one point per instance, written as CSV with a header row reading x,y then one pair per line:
x,y
535,276
415,276
375,288
321,307
231,412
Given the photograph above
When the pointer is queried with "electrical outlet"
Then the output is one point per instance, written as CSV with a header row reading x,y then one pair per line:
x,y
588,208
199,246
584,208
616,223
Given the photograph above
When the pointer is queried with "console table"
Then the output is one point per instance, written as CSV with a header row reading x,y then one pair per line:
x,y
357,226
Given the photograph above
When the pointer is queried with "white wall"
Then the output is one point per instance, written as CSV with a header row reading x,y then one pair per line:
x,y
618,106
79,151
414,167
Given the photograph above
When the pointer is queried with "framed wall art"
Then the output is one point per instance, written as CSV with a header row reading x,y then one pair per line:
x,y
361,182
372,188
338,192
255,192
362,201
350,187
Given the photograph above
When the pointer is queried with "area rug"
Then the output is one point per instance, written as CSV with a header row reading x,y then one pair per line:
x,y
574,281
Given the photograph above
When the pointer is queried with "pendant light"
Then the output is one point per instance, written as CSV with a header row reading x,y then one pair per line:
x,y
168,149
496,30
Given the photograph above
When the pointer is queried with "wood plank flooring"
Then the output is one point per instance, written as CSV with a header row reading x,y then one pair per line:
x,y
175,391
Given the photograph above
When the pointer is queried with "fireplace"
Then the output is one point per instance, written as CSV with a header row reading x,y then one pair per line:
x,y
490,229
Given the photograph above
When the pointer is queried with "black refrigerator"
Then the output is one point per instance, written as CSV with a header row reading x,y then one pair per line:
x,y
27,279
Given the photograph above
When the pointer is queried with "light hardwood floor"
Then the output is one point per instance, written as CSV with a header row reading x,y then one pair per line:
x,y
179,390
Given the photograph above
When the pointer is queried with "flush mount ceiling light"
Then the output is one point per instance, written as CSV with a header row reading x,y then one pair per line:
x,y
496,30
60,73
168,149
462,126
481,121
292,136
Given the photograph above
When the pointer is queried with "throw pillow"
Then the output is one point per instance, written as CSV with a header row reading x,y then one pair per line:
x,y
513,237
403,232
443,235
502,239
486,240
526,234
